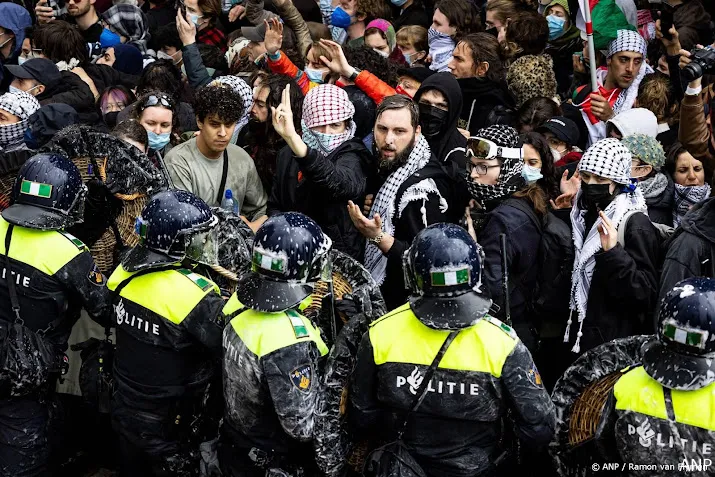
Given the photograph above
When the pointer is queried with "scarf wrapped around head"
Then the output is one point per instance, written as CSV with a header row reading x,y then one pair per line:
x,y
22,105
241,87
130,22
610,159
510,179
385,205
385,27
441,47
686,197
326,104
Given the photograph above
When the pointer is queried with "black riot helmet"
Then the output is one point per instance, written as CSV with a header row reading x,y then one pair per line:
x,y
171,225
48,194
289,254
682,357
443,269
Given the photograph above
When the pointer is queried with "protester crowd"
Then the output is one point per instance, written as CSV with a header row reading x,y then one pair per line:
x,y
377,119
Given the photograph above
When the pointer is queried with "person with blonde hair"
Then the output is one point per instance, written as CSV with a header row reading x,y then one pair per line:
x,y
412,41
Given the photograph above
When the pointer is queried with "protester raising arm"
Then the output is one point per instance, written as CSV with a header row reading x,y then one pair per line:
x,y
196,72
373,86
278,62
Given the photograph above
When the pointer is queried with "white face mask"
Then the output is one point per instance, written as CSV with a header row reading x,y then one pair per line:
x,y
382,53
556,153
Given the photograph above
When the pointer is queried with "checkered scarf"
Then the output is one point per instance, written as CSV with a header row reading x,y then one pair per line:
x,y
22,105
510,179
610,159
326,104
212,36
246,93
384,205
326,143
129,21
627,40
686,197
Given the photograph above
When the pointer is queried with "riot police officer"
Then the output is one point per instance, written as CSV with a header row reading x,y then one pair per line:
x,y
47,277
168,326
659,412
272,353
484,371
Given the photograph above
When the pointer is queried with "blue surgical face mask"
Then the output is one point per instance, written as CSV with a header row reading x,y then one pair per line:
x,y
21,60
12,89
556,26
531,174
316,76
398,3
195,19
340,18
157,142
109,38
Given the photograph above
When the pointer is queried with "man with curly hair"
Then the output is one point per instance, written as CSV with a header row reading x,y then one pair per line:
x,y
208,165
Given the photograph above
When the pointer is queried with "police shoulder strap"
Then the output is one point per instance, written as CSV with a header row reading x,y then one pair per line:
x,y
420,396
224,175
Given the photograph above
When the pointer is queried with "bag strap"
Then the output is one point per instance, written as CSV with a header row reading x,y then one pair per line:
x,y
14,301
420,396
140,273
224,175
623,225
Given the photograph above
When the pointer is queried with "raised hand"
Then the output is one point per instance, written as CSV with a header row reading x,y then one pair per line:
x,y
237,12
339,64
274,35
609,235
44,12
282,116
186,29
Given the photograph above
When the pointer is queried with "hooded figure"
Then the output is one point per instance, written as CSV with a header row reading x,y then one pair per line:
x,y
47,121
634,121
128,59
131,23
564,41
439,126
613,286
22,106
14,19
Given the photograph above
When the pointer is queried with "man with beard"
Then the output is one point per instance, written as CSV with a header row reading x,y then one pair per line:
x,y
415,191
260,140
83,14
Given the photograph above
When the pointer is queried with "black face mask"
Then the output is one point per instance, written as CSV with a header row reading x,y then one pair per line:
x,y
111,119
432,120
492,31
595,196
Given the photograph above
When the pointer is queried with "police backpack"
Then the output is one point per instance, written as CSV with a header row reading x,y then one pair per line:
x,y
26,360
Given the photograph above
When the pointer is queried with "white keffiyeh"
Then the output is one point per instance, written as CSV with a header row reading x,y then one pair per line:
x,y
384,205
586,247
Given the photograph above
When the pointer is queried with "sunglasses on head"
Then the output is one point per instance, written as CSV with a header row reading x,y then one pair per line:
x,y
158,100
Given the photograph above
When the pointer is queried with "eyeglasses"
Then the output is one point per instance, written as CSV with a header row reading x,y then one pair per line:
x,y
486,149
158,100
481,169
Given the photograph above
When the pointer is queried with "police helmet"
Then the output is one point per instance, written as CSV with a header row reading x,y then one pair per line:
x,y
289,254
48,194
682,357
443,270
172,225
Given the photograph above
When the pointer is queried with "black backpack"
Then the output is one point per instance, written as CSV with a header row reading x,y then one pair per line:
x,y
548,301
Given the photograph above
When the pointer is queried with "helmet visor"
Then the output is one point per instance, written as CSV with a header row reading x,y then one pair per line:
x,y
203,247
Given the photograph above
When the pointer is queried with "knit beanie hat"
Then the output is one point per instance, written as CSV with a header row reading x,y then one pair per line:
x,y
645,148
531,76
385,27
608,158
563,3
128,59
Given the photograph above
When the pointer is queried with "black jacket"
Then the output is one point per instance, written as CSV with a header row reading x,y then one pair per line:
x,y
562,54
448,138
692,249
73,91
453,189
660,209
415,14
320,187
105,76
623,289
523,238
481,96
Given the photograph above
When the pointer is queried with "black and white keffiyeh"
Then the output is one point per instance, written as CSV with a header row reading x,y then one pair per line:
x,y
610,159
22,105
510,179
627,40
686,197
653,187
384,205
241,87
130,22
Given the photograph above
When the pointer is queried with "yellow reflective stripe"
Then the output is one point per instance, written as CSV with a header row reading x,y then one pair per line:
x,y
169,294
264,333
638,392
402,338
232,305
47,251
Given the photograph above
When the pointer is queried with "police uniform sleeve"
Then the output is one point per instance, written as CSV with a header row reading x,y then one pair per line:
x,y
534,413
293,381
364,413
205,322
88,285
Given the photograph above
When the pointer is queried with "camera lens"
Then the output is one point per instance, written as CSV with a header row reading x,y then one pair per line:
x,y
692,71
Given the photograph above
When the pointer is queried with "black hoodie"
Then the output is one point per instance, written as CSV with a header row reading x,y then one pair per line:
x,y
481,96
448,138
692,249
